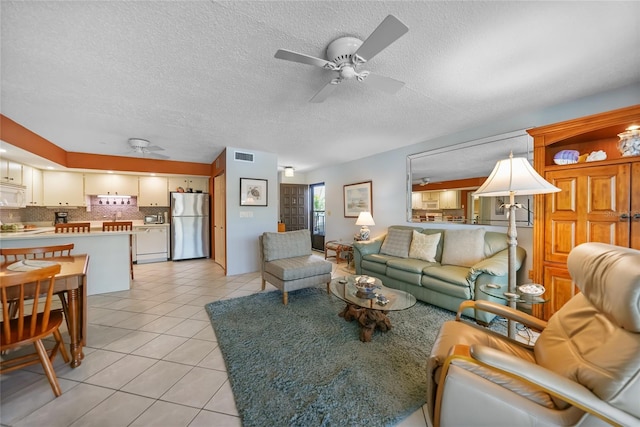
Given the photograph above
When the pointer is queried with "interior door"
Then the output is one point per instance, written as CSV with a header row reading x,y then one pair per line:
x,y
294,206
219,220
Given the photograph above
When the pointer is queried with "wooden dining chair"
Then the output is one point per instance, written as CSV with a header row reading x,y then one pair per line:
x,y
122,226
11,255
31,290
73,227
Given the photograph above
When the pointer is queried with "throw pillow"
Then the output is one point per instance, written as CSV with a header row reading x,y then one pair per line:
x,y
397,243
463,247
424,246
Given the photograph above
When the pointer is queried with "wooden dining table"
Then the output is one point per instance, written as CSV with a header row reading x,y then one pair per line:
x,y
72,279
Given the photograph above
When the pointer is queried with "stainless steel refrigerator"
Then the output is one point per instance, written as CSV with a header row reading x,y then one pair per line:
x,y
190,224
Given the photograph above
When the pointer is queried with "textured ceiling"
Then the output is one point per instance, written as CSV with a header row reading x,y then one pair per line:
x,y
196,76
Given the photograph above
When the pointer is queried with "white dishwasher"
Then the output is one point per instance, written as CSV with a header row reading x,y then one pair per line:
x,y
152,244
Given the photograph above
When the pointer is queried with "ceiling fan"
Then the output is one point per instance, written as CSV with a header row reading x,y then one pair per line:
x,y
142,147
347,54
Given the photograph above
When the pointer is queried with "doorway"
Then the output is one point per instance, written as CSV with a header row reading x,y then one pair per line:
x,y
317,216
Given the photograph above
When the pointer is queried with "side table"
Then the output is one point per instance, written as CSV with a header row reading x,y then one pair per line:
x,y
512,302
343,251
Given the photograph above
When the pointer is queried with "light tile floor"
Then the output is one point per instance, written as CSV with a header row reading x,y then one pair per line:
x,y
151,358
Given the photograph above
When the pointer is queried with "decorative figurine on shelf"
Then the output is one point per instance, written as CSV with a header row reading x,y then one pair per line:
x,y
629,144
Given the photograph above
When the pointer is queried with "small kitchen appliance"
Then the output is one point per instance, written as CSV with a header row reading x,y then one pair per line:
x,y
61,217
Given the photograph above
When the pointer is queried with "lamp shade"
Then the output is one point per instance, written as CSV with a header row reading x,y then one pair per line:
x,y
365,218
514,176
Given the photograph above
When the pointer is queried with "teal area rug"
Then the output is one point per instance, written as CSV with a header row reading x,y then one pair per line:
x,y
303,365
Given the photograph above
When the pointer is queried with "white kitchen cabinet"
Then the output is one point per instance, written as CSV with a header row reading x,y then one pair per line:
x,y
153,191
32,179
10,172
450,199
195,183
110,184
430,196
416,200
151,243
63,188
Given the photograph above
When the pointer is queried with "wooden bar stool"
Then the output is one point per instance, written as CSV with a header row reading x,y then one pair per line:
x,y
73,227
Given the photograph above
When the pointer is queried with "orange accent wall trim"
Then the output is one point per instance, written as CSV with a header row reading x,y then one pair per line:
x,y
132,164
449,185
21,137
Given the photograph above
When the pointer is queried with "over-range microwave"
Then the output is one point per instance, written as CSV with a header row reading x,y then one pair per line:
x,y
13,196
431,205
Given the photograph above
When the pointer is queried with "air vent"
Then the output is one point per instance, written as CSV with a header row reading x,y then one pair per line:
x,y
239,156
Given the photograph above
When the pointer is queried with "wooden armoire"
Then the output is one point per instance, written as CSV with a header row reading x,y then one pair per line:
x,y
599,201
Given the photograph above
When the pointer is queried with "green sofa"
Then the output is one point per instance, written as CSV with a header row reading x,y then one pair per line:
x,y
459,262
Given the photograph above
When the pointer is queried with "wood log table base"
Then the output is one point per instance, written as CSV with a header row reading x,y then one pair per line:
x,y
368,319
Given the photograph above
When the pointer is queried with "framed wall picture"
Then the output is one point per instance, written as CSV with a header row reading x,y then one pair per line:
x,y
357,198
253,192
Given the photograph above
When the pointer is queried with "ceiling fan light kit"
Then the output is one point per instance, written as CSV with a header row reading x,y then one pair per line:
x,y
143,147
346,54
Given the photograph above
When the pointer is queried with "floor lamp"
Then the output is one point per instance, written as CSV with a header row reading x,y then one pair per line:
x,y
513,177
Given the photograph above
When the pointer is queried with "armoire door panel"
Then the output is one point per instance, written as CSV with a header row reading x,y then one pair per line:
x,y
605,232
565,200
562,237
634,229
559,288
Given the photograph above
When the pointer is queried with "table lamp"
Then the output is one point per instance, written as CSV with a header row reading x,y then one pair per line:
x,y
365,219
511,177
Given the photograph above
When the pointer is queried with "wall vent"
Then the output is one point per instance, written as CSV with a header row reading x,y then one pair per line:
x,y
239,156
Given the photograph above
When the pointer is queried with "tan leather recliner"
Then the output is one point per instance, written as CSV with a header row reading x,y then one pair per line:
x,y
584,369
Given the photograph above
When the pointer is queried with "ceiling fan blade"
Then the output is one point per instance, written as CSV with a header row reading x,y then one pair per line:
x,y
154,148
389,30
302,58
156,156
385,84
324,92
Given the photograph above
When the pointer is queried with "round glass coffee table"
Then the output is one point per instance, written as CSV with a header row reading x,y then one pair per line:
x,y
370,309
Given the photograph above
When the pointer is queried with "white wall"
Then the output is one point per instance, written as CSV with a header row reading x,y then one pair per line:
x,y
388,171
246,223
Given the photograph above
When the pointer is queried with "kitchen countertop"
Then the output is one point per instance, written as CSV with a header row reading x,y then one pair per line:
x,y
96,230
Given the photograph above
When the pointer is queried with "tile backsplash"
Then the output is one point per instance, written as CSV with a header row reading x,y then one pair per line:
x,y
97,212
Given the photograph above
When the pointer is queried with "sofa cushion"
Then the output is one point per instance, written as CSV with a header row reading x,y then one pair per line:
x,y
286,245
463,247
298,267
397,243
410,264
448,273
424,246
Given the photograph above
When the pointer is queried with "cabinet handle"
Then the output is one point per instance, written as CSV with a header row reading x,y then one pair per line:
x,y
624,217
636,216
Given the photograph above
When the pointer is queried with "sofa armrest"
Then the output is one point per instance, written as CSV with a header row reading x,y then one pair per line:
x,y
497,264
369,247
360,249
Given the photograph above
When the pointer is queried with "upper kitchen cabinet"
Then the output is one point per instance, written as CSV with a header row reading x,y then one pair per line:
x,y
10,172
32,179
153,191
195,183
450,199
110,184
63,188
